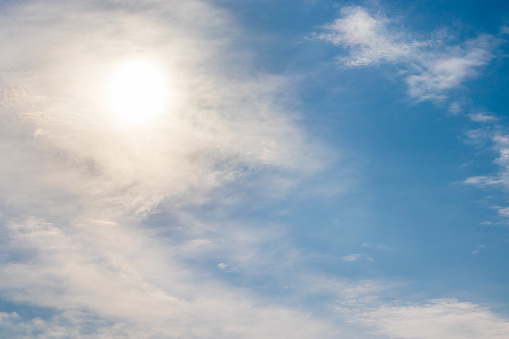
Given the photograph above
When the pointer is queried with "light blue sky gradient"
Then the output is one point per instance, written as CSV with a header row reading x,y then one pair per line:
x,y
325,169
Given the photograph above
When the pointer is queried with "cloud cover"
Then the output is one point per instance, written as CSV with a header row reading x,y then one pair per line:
x,y
79,186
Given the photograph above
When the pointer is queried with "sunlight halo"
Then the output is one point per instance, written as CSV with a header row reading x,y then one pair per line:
x,y
138,92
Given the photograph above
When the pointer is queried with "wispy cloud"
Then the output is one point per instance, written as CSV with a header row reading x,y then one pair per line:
x,y
482,181
80,238
356,257
438,319
79,188
482,117
122,276
450,69
372,304
368,38
221,126
431,68
500,143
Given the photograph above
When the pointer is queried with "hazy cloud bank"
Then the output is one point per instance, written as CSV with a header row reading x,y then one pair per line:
x,y
79,184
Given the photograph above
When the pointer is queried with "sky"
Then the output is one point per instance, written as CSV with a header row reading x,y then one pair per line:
x,y
254,169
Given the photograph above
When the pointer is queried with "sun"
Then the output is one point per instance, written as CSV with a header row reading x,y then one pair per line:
x,y
138,92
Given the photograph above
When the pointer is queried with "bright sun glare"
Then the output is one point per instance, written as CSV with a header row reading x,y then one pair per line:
x,y
138,92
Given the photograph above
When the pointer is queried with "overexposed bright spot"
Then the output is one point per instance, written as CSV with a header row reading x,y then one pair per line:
x,y
138,92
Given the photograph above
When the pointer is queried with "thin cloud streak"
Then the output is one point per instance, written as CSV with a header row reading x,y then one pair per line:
x,y
500,143
121,275
438,319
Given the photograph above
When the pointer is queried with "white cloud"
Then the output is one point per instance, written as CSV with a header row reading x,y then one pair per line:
x,y
79,187
367,37
223,124
69,325
501,144
504,212
379,307
356,257
372,304
483,118
455,107
431,68
438,319
500,179
381,247
482,181
122,276
448,70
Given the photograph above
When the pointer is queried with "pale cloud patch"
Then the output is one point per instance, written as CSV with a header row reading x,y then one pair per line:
x,y
381,247
375,305
438,319
502,145
367,37
366,303
499,142
67,325
450,69
356,257
479,135
482,181
455,107
431,68
501,178
479,247
222,266
122,276
482,117
504,212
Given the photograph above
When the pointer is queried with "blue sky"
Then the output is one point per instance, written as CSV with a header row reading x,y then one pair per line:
x,y
312,169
